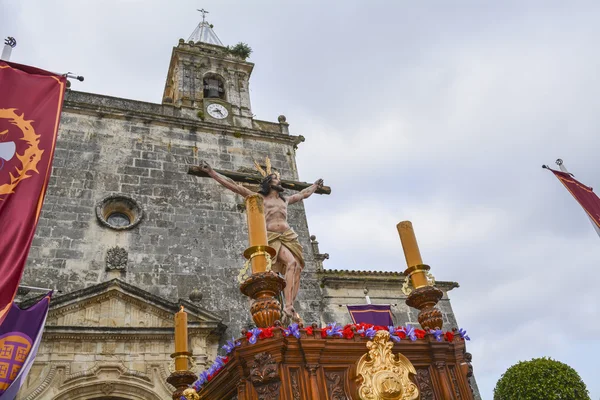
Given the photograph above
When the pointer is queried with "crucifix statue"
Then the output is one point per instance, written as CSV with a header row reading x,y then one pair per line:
x,y
288,259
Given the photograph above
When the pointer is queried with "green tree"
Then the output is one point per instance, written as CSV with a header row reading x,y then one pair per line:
x,y
540,378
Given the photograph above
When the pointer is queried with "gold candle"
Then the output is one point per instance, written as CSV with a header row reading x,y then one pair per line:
x,y
257,230
181,340
411,252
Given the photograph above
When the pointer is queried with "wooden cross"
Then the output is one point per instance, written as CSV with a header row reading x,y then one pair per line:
x,y
256,179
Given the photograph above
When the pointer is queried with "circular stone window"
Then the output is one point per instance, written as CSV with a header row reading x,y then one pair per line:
x,y
119,212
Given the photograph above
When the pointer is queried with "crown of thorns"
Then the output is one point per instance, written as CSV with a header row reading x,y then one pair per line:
x,y
268,171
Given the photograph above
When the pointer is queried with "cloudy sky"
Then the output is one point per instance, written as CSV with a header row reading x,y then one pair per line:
x,y
441,114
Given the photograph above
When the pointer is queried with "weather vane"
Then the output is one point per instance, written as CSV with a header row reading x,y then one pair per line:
x,y
204,12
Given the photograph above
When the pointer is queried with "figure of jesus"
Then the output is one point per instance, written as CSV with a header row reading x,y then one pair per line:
x,y
288,260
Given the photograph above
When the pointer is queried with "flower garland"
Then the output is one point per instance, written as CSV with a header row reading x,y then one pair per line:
x,y
332,330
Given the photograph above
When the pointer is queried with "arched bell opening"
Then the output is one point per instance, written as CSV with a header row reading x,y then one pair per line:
x,y
214,87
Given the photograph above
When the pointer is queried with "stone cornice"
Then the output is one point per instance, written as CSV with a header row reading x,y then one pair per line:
x,y
333,277
215,52
161,114
53,333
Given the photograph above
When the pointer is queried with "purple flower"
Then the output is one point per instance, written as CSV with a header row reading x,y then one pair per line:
x,y
255,332
219,362
437,333
334,330
370,333
182,397
230,345
293,330
202,379
463,334
212,369
393,335
410,332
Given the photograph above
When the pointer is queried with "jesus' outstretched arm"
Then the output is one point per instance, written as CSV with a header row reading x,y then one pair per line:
x,y
306,193
223,180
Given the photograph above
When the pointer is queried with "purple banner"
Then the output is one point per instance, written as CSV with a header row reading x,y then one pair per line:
x,y
375,314
20,336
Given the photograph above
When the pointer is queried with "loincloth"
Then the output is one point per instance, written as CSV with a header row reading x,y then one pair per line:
x,y
289,239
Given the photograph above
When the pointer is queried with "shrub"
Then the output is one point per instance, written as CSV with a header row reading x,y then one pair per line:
x,y
241,50
540,378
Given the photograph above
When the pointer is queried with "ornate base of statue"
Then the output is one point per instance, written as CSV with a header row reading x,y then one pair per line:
x,y
263,288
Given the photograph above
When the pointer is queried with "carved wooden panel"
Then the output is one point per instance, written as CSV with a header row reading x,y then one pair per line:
x,y
265,376
295,384
334,381
425,384
454,382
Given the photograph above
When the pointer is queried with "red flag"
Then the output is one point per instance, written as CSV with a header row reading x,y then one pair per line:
x,y
30,105
584,195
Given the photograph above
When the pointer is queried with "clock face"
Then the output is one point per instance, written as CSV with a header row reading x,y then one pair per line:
x,y
217,111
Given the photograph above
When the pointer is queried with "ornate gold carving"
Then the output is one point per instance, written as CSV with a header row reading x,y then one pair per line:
x,y
385,376
191,394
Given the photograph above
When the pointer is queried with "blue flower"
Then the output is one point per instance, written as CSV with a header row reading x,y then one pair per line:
x,y
182,397
255,332
219,362
293,330
393,335
437,333
334,330
410,332
230,345
463,334
370,332
202,379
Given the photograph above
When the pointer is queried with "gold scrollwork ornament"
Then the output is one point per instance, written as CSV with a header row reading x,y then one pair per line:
x,y
191,394
385,376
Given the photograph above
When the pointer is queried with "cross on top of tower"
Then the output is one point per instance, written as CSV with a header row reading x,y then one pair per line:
x,y
204,12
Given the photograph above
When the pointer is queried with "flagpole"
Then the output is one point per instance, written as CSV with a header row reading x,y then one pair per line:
x,y
39,289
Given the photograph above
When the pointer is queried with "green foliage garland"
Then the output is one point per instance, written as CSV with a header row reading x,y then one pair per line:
x,y
540,378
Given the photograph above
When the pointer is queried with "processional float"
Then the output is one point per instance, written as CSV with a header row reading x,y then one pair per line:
x,y
357,361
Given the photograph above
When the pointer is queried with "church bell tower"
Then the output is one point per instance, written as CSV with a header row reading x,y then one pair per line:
x,y
210,80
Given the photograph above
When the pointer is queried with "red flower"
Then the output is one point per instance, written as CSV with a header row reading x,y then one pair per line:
x,y
209,378
323,333
348,332
449,336
309,331
266,333
225,359
380,328
401,334
248,335
420,333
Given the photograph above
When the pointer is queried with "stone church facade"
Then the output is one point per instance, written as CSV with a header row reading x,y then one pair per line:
x,y
127,236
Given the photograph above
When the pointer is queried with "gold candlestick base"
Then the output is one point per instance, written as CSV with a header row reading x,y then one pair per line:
x,y
263,288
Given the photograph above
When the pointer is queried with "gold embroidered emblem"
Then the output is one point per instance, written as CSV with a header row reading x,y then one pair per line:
x,y
28,160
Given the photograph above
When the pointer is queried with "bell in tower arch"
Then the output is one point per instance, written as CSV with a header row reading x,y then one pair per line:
x,y
214,88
